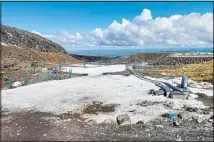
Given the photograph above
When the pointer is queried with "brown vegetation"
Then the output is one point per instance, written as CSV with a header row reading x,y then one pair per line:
x,y
197,72
98,107
17,62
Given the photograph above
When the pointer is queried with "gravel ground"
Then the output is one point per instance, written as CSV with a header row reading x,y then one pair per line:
x,y
40,126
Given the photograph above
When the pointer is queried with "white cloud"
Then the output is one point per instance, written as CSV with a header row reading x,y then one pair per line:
x,y
44,35
35,32
190,30
144,16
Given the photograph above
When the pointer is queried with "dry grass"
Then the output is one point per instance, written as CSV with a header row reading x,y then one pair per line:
x,y
23,54
197,72
21,60
98,107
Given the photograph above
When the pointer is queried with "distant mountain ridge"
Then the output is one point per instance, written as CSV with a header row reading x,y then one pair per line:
x,y
16,37
89,58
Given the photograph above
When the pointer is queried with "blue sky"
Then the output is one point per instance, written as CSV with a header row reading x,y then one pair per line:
x,y
84,17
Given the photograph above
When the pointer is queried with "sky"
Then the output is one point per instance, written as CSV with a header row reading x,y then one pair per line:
x,y
115,24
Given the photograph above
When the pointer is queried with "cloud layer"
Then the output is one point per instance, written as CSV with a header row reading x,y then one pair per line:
x,y
192,30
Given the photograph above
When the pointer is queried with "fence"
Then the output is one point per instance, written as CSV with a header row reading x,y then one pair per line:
x,y
42,76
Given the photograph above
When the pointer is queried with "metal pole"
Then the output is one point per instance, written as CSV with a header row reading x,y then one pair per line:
x,y
9,82
70,73
25,80
57,75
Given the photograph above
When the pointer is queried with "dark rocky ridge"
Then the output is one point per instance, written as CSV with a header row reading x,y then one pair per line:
x,y
88,58
162,58
181,60
13,36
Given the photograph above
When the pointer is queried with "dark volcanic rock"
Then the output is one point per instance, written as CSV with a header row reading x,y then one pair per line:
x,y
16,37
180,60
88,58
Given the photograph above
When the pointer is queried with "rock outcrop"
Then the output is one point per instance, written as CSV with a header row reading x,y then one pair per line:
x,y
15,37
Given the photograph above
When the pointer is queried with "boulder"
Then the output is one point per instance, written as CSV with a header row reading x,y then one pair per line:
x,y
123,120
176,123
179,115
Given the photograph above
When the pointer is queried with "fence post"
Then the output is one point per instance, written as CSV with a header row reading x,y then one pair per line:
x,y
37,78
45,76
57,75
25,80
70,73
9,82
48,75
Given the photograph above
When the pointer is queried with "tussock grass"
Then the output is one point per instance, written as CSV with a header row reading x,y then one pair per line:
x,y
198,72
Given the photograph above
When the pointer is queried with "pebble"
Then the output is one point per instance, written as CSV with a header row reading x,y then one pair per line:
x,y
159,126
199,120
44,135
18,134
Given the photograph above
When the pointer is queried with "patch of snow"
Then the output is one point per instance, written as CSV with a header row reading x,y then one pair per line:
x,y
4,44
87,65
16,84
10,34
193,96
207,92
73,94
66,69
17,46
94,70
194,87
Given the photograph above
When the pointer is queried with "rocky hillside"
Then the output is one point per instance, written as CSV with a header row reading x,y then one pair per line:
x,y
16,37
19,49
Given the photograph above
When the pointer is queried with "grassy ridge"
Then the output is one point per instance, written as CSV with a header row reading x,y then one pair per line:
x,y
197,72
